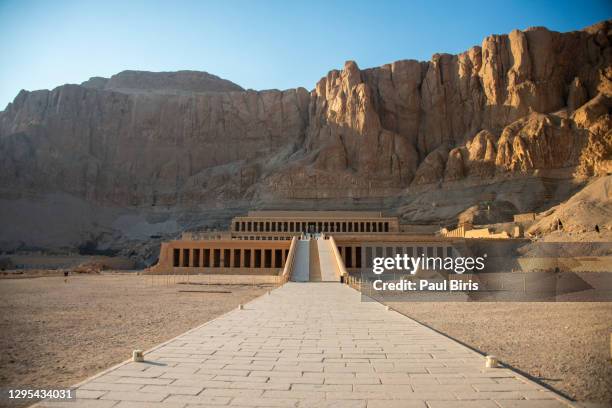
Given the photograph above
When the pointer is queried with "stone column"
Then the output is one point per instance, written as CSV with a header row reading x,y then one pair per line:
x,y
181,257
362,256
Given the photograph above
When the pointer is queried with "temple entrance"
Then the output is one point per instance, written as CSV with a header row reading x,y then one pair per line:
x,y
312,227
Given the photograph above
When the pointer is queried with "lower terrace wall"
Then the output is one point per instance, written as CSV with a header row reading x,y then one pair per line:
x,y
223,271
223,257
212,279
357,252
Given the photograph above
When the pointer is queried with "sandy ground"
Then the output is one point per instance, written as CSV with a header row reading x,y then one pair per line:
x,y
564,345
55,333
29,261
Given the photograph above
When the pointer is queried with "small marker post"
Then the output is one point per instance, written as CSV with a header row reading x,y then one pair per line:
x,y
491,362
137,356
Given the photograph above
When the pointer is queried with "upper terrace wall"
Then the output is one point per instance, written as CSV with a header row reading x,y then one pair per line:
x,y
297,225
297,222
314,214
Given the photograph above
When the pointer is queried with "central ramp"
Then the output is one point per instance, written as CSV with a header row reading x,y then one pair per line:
x,y
315,260
315,265
301,267
311,345
328,265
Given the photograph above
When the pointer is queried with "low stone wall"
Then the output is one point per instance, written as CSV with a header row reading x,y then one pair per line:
x,y
288,269
525,217
341,268
485,233
217,279
179,270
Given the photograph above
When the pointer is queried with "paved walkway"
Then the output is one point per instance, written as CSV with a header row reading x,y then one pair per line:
x,y
311,345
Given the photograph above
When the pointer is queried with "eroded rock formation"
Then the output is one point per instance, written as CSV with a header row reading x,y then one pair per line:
x,y
146,149
506,106
517,105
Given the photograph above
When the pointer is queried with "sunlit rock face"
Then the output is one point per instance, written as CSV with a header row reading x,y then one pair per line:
x,y
509,105
518,105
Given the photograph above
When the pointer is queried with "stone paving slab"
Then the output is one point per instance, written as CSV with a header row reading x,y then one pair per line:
x,y
311,345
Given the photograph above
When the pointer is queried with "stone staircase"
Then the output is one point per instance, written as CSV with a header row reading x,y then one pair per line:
x,y
315,261
301,266
315,264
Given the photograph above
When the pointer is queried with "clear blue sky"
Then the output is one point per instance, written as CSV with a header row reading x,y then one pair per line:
x,y
257,44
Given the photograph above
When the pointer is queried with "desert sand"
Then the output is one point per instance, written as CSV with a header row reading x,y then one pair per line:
x,y
55,333
563,345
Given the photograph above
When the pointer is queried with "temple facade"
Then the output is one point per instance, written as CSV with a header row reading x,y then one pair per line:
x,y
275,224
261,242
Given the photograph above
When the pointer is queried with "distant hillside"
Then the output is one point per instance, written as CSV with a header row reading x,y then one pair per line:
x,y
185,82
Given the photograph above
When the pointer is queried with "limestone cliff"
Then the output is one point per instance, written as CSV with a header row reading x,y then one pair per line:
x,y
136,149
519,105
514,104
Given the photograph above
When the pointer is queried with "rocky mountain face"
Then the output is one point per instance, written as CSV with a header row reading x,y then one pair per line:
x,y
514,105
145,148
532,104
